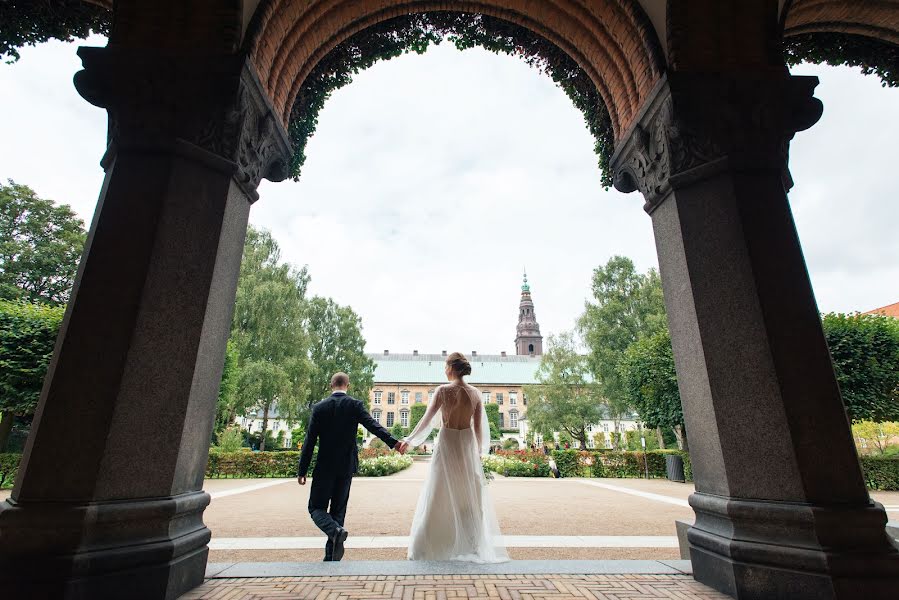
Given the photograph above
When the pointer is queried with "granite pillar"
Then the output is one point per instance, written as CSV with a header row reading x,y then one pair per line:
x,y
108,502
781,506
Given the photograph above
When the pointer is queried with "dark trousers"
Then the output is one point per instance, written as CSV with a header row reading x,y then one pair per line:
x,y
333,491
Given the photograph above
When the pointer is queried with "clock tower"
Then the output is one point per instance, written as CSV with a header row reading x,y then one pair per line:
x,y
528,340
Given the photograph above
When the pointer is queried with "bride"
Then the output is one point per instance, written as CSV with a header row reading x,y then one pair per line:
x,y
455,519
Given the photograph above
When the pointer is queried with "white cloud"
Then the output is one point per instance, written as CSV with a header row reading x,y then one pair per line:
x,y
432,180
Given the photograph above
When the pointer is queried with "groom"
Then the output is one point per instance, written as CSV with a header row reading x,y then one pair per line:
x,y
334,423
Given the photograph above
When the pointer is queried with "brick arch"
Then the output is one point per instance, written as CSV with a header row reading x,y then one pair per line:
x,y
877,19
612,40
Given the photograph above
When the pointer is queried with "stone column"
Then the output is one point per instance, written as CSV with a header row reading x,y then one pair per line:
x,y
108,501
781,506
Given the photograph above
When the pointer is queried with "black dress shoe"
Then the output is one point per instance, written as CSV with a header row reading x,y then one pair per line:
x,y
337,540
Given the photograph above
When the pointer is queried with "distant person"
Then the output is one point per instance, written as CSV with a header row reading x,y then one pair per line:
x,y
333,423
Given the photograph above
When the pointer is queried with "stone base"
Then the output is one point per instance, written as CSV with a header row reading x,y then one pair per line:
x,y
683,543
753,549
149,549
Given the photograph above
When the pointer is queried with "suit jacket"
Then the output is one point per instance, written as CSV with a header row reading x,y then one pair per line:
x,y
334,423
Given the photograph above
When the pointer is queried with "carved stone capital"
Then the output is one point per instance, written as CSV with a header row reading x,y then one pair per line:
x,y
214,103
696,125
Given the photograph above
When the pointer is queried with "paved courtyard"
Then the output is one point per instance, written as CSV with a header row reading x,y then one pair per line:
x,y
542,519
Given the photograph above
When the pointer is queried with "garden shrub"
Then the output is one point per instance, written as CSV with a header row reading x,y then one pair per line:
x,y
881,472
9,466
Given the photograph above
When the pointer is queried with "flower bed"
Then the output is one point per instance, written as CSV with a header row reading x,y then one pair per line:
x,y
520,463
383,465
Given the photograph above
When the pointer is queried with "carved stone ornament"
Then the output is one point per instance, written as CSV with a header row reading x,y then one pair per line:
x,y
696,125
215,104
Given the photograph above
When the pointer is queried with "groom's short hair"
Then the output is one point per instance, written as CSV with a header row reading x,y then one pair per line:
x,y
340,380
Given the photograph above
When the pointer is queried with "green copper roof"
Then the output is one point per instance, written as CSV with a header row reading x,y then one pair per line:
x,y
525,287
429,368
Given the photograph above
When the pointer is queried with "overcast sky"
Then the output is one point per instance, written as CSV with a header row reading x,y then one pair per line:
x,y
433,180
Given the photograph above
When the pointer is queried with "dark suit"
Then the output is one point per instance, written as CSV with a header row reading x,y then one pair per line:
x,y
334,423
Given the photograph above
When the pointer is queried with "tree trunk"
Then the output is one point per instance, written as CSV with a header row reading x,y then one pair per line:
x,y
660,437
5,428
681,438
264,428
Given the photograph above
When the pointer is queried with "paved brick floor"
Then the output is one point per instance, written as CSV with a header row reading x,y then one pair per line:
x,y
436,587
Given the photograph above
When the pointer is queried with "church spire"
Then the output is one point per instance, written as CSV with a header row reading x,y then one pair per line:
x,y
528,340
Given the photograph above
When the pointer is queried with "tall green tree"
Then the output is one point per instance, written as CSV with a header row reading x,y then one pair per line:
x,y
40,246
268,331
29,22
336,344
230,404
566,398
865,353
626,306
650,382
27,336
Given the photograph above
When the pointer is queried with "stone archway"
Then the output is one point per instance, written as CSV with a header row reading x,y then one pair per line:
x,y
197,118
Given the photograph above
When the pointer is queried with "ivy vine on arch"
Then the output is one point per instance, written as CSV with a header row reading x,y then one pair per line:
x,y
415,33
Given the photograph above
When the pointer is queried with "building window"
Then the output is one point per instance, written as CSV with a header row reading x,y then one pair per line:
x,y
499,397
391,398
502,420
377,415
418,397
513,398
404,397
377,396
605,427
530,348
430,396
404,418
486,397
513,419
390,419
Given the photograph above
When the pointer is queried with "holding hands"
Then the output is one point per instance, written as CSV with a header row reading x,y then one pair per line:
x,y
401,447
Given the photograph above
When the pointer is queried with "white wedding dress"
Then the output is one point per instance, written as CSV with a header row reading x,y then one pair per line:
x,y
455,519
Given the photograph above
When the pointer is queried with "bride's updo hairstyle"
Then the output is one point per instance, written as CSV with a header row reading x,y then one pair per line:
x,y
459,364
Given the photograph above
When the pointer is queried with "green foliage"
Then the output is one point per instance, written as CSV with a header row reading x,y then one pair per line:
x,y
875,436
650,382
230,439
228,400
29,22
626,307
398,431
881,472
565,398
9,467
493,419
865,353
268,332
510,444
336,344
40,246
27,336
415,415
872,55
414,33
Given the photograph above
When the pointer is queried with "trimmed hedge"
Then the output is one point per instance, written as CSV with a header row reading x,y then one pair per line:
x,y
881,472
9,466
620,464
247,465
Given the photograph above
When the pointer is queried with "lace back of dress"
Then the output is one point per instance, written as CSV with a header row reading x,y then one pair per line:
x,y
458,406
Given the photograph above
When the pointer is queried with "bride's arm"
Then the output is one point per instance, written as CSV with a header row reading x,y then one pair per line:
x,y
424,427
479,421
